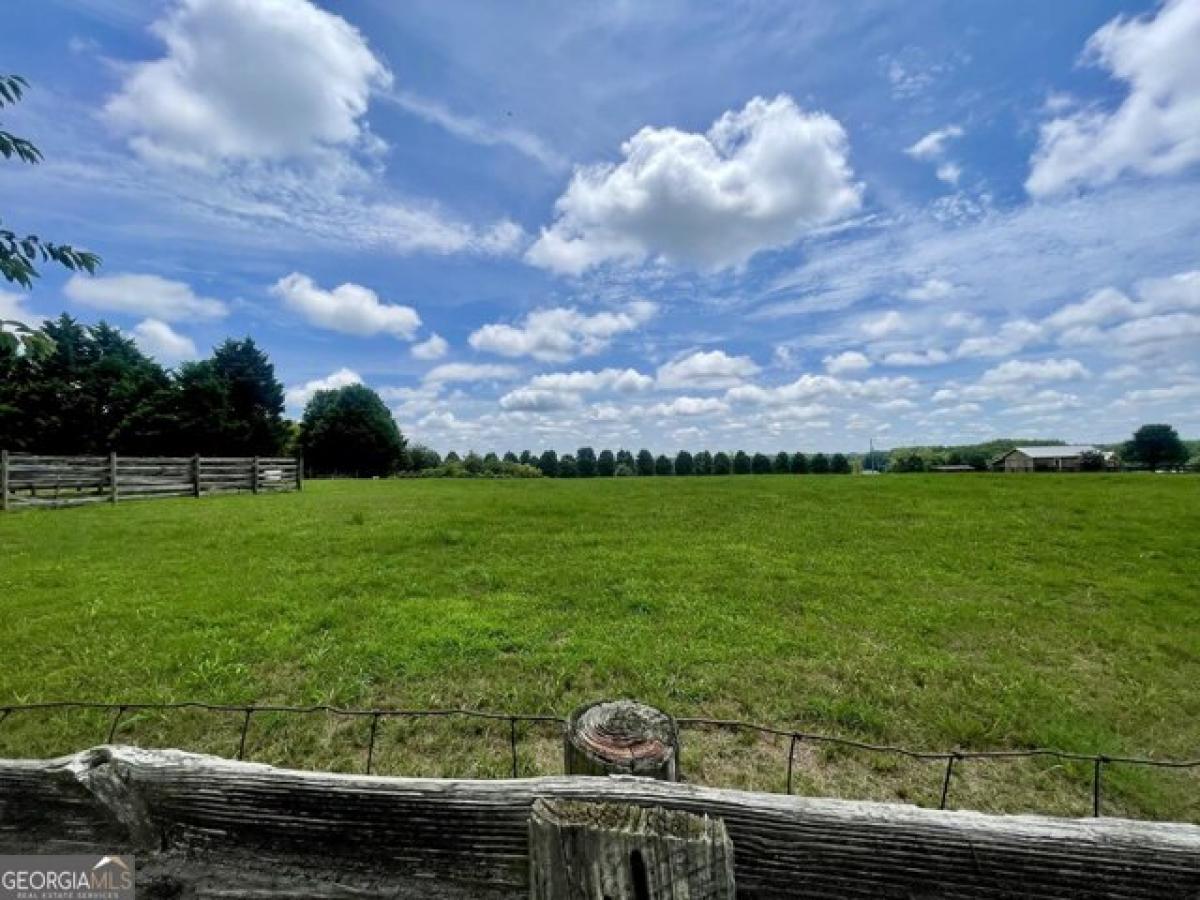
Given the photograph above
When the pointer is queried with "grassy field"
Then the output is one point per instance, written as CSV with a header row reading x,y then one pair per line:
x,y
978,612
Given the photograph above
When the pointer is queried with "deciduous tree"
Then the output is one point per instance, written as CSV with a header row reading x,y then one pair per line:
x,y
350,431
1156,445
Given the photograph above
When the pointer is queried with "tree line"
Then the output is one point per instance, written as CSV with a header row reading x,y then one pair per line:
x,y
72,389
587,463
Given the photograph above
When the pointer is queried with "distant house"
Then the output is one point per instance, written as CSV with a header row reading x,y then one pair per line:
x,y
1063,458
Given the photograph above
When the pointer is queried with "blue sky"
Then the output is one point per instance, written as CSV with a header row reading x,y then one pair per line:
x,y
760,226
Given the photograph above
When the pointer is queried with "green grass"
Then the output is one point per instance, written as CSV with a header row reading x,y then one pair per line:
x,y
980,612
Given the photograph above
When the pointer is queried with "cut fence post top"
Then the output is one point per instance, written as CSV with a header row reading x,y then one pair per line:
x,y
622,737
622,851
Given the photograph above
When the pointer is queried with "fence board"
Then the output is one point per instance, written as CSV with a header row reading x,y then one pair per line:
x,y
458,838
28,480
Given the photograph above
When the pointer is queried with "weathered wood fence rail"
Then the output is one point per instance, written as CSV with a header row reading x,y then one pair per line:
x,y
201,826
30,480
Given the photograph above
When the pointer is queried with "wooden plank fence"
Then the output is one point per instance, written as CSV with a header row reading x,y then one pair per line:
x,y
206,827
32,480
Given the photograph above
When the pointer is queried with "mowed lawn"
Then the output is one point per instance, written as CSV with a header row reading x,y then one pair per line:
x,y
978,612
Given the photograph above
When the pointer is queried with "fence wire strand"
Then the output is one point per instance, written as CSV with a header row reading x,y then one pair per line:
x,y
953,758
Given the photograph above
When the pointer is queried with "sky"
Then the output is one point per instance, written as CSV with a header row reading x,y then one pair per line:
x,y
760,226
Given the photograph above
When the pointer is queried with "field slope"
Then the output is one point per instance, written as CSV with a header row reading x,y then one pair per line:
x,y
934,611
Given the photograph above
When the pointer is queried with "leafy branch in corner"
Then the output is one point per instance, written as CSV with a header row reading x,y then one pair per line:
x,y
19,255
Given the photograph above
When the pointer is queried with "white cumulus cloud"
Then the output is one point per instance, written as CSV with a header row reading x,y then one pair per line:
x,y
161,341
348,309
759,178
1034,371
144,295
449,373
528,399
434,347
689,406
706,369
1156,128
849,361
297,396
561,333
248,79
621,380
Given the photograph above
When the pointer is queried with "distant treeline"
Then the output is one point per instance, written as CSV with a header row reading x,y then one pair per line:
x,y
587,463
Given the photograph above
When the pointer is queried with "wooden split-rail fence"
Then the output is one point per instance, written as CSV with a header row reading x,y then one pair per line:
x,y
34,480
618,826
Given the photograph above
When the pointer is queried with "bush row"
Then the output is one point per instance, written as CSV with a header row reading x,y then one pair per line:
x,y
586,463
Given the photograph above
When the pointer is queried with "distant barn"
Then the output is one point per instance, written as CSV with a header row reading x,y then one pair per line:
x,y
1062,458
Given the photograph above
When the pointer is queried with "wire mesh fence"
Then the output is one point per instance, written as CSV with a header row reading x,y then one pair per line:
x,y
516,725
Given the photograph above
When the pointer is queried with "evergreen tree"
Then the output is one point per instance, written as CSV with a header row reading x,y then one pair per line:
x,y
761,464
625,458
526,458
839,465
704,463
453,458
781,464
799,464
662,466
819,464
645,462
510,457
567,467
722,464
231,404
473,463
684,463
741,463
548,464
585,462
606,464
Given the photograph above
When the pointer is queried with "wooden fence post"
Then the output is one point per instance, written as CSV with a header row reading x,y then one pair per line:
x,y
196,475
621,737
112,477
619,851
299,473
4,480
254,474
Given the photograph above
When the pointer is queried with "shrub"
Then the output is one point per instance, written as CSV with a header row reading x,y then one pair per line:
x,y
624,471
